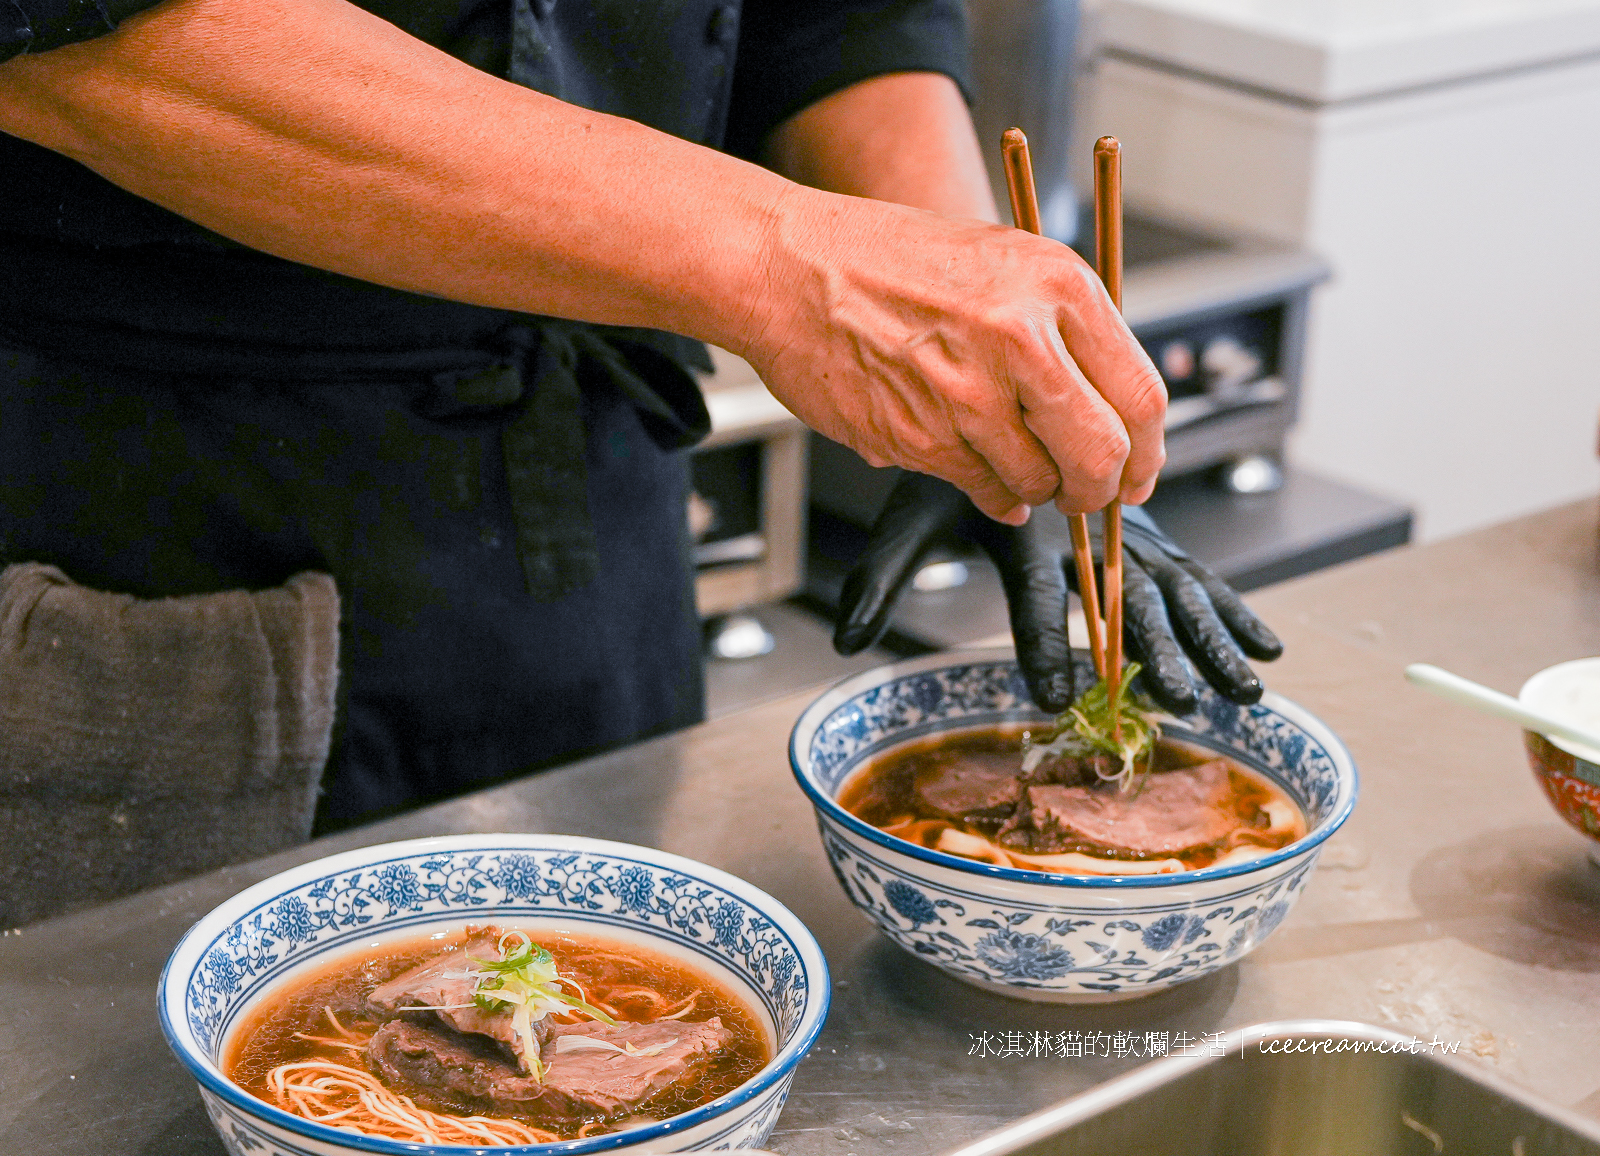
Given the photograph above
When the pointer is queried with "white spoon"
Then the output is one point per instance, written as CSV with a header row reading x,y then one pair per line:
x,y
1469,693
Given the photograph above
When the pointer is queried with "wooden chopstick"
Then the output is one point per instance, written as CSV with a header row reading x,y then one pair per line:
x,y
1025,215
1108,263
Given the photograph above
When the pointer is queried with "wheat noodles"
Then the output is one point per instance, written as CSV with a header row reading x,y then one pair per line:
x,y
351,1099
332,1093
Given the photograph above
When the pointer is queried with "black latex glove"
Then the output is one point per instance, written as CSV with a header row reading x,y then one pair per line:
x,y
1172,605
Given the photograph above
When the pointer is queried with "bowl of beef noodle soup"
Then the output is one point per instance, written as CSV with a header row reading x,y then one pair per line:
x,y
982,836
495,991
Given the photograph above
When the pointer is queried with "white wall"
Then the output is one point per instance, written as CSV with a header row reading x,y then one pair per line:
x,y
1454,361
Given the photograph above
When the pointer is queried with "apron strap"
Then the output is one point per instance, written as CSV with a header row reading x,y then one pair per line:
x,y
543,441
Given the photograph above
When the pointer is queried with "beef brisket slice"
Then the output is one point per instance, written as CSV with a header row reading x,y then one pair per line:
x,y
1175,811
969,785
445,1070
595,1082
448,980
448,1071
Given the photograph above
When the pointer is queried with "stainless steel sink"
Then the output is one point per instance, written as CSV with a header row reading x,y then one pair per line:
x,y
1302,1088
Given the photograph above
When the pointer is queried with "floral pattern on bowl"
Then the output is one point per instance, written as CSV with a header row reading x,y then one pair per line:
x,y
1571,784
1047,936
250,944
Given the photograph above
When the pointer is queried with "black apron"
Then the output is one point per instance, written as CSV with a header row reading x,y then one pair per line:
x,y
500,498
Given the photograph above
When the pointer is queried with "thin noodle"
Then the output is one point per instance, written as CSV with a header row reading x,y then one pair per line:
x,y
633,994
352,1043
334,1020
631,964
688,1006
304,1087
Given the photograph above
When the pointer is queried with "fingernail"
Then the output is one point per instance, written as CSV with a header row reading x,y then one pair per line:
x,y
1017,516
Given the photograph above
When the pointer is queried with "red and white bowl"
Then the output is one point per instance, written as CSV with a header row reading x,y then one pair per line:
x,y
1568,772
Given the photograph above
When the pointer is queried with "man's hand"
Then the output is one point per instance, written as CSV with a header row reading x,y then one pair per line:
x,y
980,354
985,356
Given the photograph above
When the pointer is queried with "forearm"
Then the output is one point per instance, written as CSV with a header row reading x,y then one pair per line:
x,y
315,131
905,137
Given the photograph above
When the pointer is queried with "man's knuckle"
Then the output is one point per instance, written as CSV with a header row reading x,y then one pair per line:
x,y
1041,476
1146,399
1038,489
1105,457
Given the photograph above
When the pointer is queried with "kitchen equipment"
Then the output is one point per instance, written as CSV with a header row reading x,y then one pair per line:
x,y
747,511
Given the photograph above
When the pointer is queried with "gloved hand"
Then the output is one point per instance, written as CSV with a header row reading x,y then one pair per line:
x,y
1172,605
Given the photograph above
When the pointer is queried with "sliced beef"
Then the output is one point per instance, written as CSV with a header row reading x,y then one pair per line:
x,y
1069,771
447,982
969,785
606,1082
1175,811
445,1070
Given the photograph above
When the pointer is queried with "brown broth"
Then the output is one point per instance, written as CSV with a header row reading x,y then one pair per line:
x,y
605,968
882,793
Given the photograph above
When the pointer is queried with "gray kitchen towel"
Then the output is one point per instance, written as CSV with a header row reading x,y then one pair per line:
x,y
145,740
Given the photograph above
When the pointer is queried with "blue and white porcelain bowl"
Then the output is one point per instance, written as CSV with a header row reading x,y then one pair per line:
x,y
307,916
1038,935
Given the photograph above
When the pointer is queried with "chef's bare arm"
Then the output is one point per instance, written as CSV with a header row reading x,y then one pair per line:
x,y
318,132
906,137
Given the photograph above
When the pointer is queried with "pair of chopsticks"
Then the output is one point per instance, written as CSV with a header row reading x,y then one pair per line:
x,y
1105,638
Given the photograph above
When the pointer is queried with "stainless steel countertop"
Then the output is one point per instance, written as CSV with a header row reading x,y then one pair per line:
x,y
1453,905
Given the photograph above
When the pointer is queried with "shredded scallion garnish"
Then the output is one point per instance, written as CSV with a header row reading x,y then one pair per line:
x,y
1099,723
525,980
